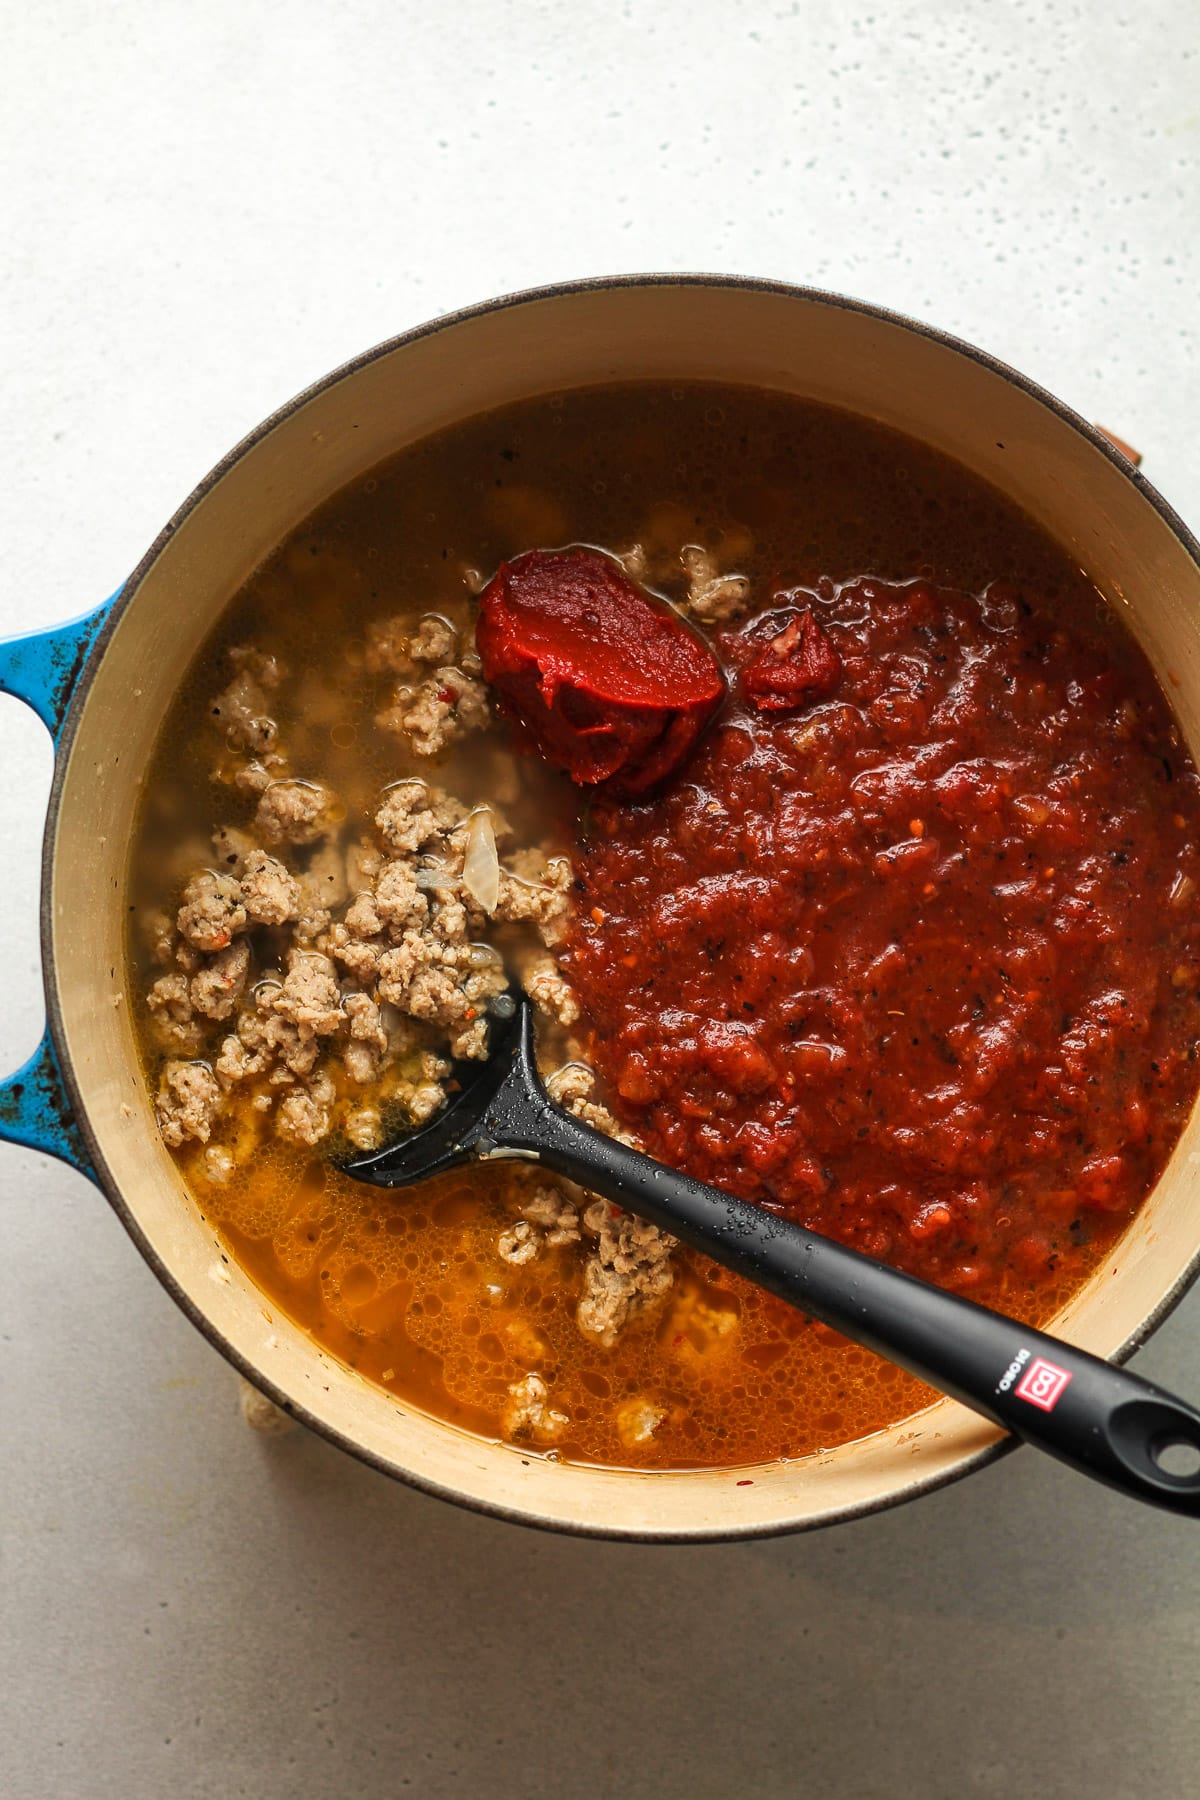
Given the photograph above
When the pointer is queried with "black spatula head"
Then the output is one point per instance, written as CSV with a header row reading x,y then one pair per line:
x,y
493,1095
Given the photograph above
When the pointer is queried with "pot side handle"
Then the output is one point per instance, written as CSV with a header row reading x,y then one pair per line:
x,y
41,668
35,1111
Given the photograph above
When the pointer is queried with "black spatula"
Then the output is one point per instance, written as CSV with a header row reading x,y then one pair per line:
x,y
1101,1420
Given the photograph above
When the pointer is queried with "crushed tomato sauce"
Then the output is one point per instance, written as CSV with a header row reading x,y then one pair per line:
x,y
914,963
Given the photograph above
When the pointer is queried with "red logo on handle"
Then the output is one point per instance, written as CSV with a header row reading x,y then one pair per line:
x,y
1042,1384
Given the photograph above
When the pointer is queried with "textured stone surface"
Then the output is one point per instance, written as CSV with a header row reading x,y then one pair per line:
x,y
204,208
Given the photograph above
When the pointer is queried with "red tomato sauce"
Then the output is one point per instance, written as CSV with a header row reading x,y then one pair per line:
x,y
911,956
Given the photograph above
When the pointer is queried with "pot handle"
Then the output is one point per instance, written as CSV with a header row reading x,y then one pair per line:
x,y
42,668
35,1111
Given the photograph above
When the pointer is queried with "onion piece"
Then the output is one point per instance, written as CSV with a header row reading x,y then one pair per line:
x,y
481,868
433,876
1182,890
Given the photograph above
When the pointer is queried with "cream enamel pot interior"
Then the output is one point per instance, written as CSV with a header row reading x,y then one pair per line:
x,y
815,345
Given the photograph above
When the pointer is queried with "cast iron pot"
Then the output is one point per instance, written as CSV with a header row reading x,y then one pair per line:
x,y
103,683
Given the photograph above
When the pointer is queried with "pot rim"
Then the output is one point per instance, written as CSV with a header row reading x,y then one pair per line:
x,y
111,1189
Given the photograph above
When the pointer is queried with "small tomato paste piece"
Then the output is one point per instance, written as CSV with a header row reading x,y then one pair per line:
x,y
611,685
797,666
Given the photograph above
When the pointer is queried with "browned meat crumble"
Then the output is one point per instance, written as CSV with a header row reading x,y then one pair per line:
x,y
321,973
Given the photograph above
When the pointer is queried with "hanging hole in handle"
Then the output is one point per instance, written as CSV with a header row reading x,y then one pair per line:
x,y
1176,1457
1159,1440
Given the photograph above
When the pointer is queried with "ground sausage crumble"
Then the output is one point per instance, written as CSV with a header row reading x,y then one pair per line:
x,y
329,970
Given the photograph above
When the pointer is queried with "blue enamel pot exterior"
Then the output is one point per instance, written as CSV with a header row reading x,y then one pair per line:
x,y
44,669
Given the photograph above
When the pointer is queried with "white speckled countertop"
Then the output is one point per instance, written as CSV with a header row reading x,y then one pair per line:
x,y
204,208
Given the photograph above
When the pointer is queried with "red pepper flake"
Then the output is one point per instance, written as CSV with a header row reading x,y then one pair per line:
x,y
745,1484
448,696
932,1219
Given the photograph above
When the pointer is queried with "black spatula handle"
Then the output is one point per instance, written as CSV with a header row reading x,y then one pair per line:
x,y
1102,1420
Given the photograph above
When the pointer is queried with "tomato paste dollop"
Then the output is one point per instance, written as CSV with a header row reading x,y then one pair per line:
x,y
796,665
610,684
